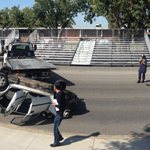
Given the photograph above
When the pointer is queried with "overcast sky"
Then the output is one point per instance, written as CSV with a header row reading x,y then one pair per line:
x,y
79,20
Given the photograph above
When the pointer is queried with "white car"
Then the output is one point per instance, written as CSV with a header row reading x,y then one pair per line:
x,y
22,98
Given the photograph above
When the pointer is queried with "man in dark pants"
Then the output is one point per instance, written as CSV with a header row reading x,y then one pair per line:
x,y
143,68
60,107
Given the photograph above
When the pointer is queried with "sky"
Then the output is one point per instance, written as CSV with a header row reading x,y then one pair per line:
x,y
79,20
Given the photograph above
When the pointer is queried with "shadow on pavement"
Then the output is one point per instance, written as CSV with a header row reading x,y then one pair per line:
x,y
137,142
56,77
77,138
36,120
80,109
147,81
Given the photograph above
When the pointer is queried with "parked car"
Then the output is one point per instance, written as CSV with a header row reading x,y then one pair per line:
x,y
30,97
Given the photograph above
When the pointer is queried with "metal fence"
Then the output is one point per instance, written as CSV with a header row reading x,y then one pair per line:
x,y
4,33
78,34
81,34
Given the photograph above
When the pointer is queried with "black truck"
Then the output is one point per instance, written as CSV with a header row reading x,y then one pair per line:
x,y
19,59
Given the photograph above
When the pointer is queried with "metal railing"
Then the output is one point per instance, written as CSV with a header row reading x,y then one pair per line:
x,y
147,40
32,37
85,34
88,52
80,50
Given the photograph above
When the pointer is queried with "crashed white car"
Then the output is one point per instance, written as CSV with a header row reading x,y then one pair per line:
x,y
30,97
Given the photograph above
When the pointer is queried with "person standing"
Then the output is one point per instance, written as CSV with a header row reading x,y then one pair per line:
x,y
60,107
143,68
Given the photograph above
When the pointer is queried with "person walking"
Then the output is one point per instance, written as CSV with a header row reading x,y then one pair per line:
x,y
143,68
60,107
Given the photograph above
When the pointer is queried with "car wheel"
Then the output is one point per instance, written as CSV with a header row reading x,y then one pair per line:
x,y
3,82
66,114
46,115
6,70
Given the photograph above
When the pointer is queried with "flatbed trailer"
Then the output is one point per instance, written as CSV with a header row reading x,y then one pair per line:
x,y
20,59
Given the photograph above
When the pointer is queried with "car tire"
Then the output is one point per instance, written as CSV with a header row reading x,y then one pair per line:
x,y
3,82
66,114
46,115
6,70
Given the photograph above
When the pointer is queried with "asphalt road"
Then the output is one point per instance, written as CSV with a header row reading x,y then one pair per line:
x,y
110,102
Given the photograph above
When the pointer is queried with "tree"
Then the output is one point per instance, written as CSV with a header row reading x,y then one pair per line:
x,y
55,13
29,19
16,17
5,21
11,17
131,14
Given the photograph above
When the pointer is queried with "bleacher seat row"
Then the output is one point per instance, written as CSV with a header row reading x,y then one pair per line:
x,y
101,52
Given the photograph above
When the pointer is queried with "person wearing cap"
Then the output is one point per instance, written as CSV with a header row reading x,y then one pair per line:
x,y
143,68
59,107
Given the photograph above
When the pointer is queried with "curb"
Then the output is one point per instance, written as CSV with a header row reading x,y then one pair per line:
x,y
105,137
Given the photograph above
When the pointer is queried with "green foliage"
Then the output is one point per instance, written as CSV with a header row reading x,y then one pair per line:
x,y
45,13
11,17
16,17
5,18
54,13
29,19
121,13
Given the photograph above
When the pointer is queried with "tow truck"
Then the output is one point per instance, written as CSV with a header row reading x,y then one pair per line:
x,y
19,59
21,93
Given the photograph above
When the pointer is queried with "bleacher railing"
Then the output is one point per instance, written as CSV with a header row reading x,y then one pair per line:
x,y
85,34
147,40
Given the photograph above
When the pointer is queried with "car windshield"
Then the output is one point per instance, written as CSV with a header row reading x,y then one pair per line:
x,y
20,47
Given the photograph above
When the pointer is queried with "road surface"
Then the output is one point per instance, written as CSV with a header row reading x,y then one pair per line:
x,y
110,102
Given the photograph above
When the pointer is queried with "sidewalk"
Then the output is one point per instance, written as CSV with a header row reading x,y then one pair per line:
x,y
13,139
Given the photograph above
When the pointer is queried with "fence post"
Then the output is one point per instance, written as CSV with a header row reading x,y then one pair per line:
x,y
96,33
101,33
147,40
112,33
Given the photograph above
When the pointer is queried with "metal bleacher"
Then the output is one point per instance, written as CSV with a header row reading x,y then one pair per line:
x,y
119,52
96,47
83,53
53,50
56,52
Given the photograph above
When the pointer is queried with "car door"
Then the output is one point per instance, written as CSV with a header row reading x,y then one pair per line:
x,y
15,102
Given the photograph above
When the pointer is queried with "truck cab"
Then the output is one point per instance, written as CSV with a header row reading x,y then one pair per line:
x,y
18,50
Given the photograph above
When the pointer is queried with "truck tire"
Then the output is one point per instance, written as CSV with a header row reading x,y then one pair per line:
x,y
6,70
3,82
